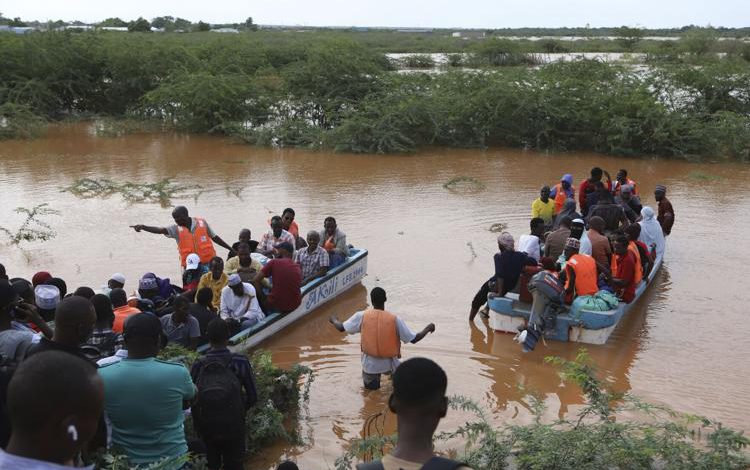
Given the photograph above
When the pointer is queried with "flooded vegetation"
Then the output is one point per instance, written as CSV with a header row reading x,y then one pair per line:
x,y
334,92
666,352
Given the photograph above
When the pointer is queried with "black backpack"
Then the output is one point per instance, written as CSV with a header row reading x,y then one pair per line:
x,y
218,409
7,368
435,463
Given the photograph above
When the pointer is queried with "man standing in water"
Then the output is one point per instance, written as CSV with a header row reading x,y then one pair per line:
x,y
382,334
193,235
666,211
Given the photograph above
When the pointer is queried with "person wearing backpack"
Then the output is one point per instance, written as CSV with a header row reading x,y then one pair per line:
x,y
419,402
226,390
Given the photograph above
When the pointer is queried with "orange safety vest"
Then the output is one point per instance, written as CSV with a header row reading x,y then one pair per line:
x,y
638,265
586,275
617,187
380,334
561,197
198,242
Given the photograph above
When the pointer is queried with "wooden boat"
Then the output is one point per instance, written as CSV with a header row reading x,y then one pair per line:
x,y
507,314
314,294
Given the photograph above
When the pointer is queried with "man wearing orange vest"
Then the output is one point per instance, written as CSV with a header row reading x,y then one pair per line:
x,y
625,270
580,274
193,235
382,334
563,191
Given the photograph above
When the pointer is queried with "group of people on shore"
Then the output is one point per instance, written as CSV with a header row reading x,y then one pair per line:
x,y
600,243
109,340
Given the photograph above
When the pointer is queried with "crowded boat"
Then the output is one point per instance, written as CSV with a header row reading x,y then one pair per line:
x,y
588,256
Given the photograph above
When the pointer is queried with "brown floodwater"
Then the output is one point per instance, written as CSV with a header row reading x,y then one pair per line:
x,y
684,345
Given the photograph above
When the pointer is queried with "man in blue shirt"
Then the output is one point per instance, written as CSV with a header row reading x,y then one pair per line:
x,y
144,397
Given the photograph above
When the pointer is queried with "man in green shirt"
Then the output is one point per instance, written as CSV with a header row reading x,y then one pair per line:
x,y
144,397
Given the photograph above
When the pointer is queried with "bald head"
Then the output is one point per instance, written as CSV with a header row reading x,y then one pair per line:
x,y
74,321
597,223
181,216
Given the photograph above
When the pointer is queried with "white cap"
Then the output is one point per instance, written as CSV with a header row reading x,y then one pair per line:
x,y
119,277
46,296
192,261
578,221
234,280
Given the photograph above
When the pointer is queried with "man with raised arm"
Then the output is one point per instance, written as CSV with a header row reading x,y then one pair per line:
x,y
193,235
382,335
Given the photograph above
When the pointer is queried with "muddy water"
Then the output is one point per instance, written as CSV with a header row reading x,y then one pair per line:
x,y
685,345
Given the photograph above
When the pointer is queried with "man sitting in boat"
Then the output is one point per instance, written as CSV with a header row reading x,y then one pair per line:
x,y
286,277
334,242
239,304
624,270
622,180
580,273
532,244
633,232
243,264
313,259
508,266
612,213
555,242
382,335
273,237
544,207
601,250
630,203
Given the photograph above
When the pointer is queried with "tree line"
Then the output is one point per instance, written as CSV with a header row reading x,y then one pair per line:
x,y
328,91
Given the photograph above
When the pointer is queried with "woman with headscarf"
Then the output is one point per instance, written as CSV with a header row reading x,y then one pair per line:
x,y
568,210
652,234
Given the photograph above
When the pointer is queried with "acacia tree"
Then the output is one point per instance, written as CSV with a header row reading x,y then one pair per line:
x,y
141,25
628,37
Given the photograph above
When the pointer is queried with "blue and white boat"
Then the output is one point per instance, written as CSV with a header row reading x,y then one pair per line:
x,y
508,314
314,294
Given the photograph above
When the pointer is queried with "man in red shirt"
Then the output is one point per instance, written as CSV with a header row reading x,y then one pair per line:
x,y
623,276
286,276
589,186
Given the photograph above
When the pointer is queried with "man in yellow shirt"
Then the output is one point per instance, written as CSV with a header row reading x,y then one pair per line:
x,y
215,279
544,207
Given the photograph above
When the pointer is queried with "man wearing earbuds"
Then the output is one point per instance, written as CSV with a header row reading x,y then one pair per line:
x,y
68,397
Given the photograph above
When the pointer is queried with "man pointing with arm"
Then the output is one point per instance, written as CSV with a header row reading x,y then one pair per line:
x,y
193,235
382,335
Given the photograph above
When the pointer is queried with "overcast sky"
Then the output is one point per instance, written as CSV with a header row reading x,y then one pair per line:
x,y
402,13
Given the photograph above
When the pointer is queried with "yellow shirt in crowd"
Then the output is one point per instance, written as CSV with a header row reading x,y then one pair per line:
x,y
542,210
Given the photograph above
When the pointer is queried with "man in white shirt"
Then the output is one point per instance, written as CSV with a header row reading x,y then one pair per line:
x,y
240,303
273,237
531,244
381,333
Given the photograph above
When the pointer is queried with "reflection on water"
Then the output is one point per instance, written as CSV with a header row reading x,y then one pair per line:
x,y
684,345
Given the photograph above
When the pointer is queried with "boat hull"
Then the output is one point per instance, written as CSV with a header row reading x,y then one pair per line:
x,y
314,294
508,314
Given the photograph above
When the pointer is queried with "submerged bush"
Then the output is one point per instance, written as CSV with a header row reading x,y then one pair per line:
x,y
597,437
18,121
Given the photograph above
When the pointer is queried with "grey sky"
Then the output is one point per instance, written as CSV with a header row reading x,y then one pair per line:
x,y
417,13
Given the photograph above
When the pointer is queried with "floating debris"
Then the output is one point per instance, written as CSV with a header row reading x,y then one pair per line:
x,y
161,192
471,248
235,191
498,227
700,176
464,184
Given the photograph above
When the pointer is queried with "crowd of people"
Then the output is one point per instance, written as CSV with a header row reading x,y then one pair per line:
x,y
600,242
79,371
112,338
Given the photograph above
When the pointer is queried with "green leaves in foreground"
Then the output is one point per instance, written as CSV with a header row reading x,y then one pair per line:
x,y
597,437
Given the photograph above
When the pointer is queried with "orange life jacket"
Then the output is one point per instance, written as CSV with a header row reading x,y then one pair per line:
x,y
586,275
198,242
638,265
561,196
380,334
617,187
